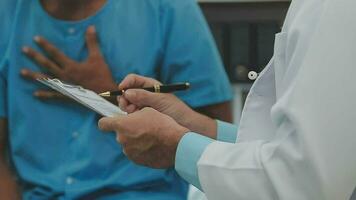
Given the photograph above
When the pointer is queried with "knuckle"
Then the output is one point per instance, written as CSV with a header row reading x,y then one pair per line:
x,y
132,154
131,77
30,52
52,51
121,139
46,63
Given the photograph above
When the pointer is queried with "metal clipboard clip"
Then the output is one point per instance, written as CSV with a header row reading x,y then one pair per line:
x,y
67,85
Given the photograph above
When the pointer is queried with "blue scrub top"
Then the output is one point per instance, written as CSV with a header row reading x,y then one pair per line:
x,y
57,148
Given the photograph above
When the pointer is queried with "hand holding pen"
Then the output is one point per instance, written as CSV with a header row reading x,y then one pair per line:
x,y
157,88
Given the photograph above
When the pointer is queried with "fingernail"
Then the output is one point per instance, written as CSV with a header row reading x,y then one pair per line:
x,y
24,72
36,94
37,38
129,94
25,49
91,29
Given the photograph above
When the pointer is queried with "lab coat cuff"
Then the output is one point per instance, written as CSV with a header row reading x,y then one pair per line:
x,y
189,151
226,132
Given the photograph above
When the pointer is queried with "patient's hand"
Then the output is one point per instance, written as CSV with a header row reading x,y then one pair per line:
x,y
93,73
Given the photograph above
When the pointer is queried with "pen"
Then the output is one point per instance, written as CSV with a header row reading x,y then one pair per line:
x,y
156,88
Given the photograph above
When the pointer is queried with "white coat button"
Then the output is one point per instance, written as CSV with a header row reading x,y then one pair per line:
x,y
69,180
71,30
252,75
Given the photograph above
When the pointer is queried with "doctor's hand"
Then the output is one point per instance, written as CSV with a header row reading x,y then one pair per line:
x,y
148,137
93,73
136,99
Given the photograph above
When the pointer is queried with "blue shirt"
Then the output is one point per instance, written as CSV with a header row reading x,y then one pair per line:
x,y
57,148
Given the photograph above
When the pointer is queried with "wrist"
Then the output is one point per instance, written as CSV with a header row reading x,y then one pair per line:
x,y
201,124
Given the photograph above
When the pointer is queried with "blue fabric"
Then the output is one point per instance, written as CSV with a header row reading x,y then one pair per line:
x,y
226,132
189,151
3,109
57,148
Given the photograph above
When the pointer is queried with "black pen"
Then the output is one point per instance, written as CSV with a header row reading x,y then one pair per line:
x,y
156,88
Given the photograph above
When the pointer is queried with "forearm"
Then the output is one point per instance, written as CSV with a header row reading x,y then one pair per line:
x,y
204,123
8,186
220,111
201,124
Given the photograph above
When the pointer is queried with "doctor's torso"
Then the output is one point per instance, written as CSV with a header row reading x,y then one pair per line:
x,y
291,45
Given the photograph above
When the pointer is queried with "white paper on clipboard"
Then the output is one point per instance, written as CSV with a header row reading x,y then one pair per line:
x,y
85,97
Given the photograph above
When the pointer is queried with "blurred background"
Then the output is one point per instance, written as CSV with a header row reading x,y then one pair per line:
x,y
244,32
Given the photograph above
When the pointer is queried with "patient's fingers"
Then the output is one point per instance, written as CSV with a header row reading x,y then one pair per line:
x,y
50,95
28,74
92,42
42,61
57,55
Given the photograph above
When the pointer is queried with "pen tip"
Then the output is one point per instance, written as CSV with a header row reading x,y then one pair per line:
x,y
105,94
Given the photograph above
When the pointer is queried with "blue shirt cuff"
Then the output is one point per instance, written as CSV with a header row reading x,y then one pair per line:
x,y
189,151
226,132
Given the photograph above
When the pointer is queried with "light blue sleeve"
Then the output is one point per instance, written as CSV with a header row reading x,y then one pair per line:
x,y
192,146
226,132
189,151
190,54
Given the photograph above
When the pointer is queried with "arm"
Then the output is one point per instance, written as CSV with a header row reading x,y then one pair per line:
x,y
8,186
221,111
92,73
192,56
311,153
309,157
135,99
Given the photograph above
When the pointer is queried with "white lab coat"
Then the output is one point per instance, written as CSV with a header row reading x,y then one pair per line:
x,y
297,135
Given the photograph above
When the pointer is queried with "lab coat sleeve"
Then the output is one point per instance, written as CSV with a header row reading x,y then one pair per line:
x,y
312,153
190,55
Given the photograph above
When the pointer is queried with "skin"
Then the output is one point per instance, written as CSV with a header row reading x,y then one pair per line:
x,y
8,186
135,99
151,140
93,73
163,119
60,66
72,10
78,10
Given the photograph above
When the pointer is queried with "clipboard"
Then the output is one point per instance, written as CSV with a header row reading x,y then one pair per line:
x,y
84,97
